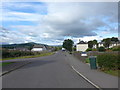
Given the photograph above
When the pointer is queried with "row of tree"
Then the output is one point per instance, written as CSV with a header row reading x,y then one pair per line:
x,y
68,43
106,42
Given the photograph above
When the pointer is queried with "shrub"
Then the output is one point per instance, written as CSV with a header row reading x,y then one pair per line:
x,y
74,49
7,53
101,49
94,49
89,49
117,48
108,61
87,60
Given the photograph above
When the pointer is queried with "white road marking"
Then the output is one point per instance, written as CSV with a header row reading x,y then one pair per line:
x,y
86,78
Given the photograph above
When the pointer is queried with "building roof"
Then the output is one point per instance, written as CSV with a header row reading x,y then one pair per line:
x,y
82,42
38,46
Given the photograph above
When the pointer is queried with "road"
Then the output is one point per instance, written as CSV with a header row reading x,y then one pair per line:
x,y
45,72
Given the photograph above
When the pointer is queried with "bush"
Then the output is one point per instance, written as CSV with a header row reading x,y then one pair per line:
x,y
94,49
87,60
7,53
101,49
74,49
108,61
89,49
117,48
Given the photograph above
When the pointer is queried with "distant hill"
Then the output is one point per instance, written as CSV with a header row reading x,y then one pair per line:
x,y
22,45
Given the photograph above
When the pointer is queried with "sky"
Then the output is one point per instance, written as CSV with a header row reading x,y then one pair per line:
x,y
53,22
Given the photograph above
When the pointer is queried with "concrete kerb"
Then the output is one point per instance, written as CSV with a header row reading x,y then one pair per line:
x,y
6,72
96,86
85,78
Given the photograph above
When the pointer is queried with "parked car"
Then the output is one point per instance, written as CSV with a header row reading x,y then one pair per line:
x,y
63,49
83,54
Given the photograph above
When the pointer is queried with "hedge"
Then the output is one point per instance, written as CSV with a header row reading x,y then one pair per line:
x,y
89,49
116,48
109,61
101,49
7,54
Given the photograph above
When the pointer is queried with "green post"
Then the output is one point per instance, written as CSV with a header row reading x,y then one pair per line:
x,y
93,64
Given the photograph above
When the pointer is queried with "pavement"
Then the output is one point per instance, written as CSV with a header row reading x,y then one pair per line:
x,y
45,72
56,71
99,78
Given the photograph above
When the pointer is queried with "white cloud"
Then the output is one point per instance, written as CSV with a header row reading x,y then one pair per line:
x,y
79,20
60,0
20,16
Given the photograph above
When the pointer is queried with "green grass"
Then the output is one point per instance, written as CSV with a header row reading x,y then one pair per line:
x,y
33,56
113,72
87,60
5,63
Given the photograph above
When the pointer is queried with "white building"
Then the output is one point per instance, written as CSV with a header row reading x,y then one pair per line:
x,y
81,47
38,48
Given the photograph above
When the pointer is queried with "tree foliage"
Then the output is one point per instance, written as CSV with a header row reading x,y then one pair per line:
x,y
94,42
107,42
68,44
114,39
109,61
90,44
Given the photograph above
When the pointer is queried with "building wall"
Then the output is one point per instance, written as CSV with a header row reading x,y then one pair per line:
x,y
81,47
37,49
111,45
44,48
100,45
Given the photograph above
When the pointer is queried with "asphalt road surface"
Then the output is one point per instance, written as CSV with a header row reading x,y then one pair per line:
x,y
45,72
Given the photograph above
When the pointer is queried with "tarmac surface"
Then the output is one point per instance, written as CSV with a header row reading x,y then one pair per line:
x,y
45,72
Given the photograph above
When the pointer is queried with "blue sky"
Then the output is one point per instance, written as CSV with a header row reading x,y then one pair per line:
x,y
51,23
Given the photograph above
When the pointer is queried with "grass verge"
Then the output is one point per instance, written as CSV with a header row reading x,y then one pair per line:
x,y
33,56
87,60
5,63
113,72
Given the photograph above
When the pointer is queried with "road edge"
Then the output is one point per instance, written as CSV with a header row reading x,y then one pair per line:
x,y
96,86
14,69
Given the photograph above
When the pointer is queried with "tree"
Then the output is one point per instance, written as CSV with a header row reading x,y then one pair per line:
x,y
95,43
68,44
90,44
115,40
107,42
